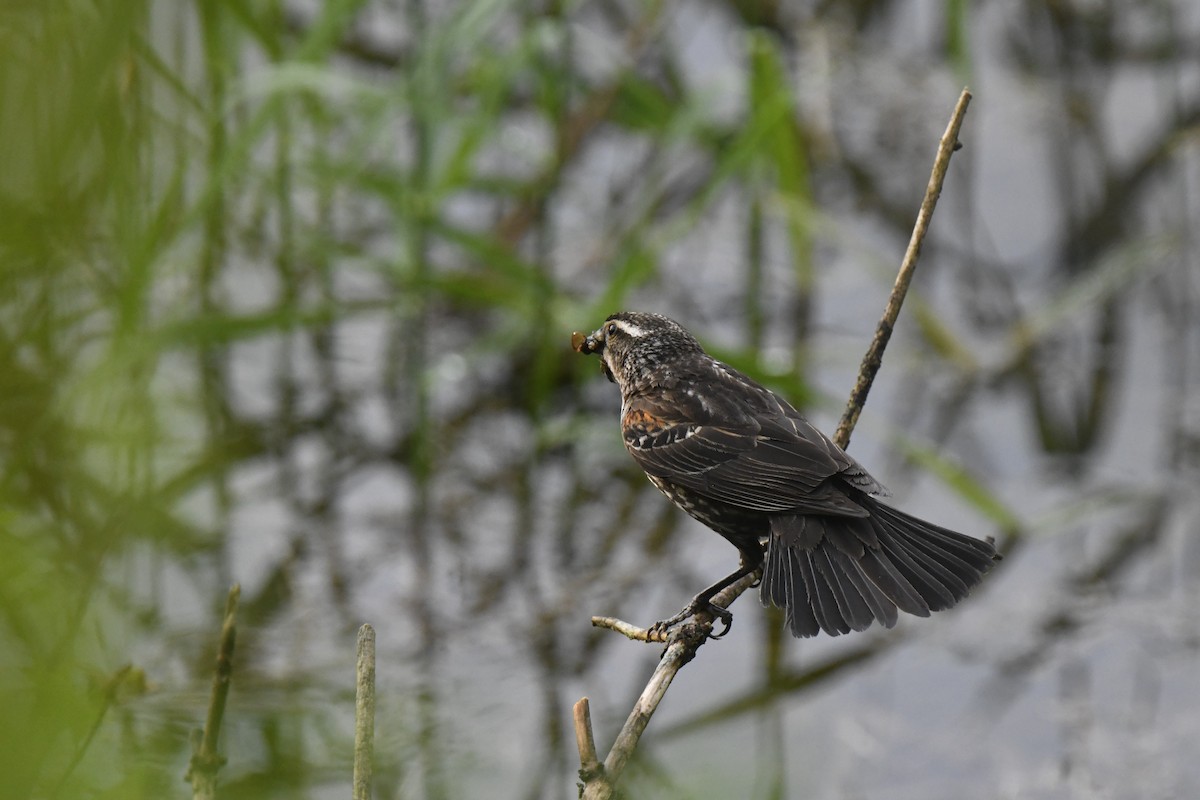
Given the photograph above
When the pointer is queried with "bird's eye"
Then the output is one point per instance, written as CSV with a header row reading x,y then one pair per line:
x,y
611,329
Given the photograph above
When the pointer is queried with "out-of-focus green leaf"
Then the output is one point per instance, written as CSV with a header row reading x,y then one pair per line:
x,y
958,38
643,105
938,336
962,483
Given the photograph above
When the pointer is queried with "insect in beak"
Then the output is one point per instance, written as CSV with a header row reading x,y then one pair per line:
x,y
586,344
589,344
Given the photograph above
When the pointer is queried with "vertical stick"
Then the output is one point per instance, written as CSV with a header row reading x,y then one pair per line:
x,y
883,332
206,762
590,769
364,713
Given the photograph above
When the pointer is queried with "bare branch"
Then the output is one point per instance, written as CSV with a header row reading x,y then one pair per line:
x,y
891,312
682,644
590,769
364,712
206,762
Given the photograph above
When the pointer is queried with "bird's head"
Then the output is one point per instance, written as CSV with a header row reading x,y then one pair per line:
x,y
633,345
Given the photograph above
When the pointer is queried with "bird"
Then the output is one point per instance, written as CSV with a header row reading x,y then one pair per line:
x,y
740,459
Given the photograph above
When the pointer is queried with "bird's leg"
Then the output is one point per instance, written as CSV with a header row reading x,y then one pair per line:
x,y
703,601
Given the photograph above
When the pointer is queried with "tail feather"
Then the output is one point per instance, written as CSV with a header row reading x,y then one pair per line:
x,y
976,552
818,568
932,554
800,617
878,567
776,588
955,574
880,605
821,594
852,606
933,591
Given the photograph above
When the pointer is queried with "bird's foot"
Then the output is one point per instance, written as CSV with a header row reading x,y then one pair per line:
x,y
699,605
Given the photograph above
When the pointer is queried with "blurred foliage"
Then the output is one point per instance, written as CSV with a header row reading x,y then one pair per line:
x,y
200,203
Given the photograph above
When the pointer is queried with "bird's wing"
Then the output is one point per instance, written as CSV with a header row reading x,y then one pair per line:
x,y
742,455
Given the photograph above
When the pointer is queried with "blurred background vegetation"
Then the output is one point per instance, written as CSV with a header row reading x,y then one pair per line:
x,y
286,290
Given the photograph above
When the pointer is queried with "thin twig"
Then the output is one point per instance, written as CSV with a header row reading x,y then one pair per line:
x,y
684,640
364,713
626,629
206,762
883,331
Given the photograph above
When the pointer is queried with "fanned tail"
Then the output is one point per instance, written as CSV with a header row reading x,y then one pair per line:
x,y
841,574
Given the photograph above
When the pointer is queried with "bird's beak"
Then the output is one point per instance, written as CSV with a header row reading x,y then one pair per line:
x,y
587,344
592,343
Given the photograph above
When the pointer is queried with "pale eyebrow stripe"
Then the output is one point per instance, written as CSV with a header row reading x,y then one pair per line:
x,y
629,328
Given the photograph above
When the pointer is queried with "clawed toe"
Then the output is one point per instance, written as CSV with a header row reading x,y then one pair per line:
x,y
659,630
724,615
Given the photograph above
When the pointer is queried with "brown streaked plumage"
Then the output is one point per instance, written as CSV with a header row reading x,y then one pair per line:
x,y
740,459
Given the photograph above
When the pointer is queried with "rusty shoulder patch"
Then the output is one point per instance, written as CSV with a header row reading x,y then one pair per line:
x,y
640,418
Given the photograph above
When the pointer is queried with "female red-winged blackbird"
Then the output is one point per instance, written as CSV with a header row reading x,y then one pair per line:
x,y
741,460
